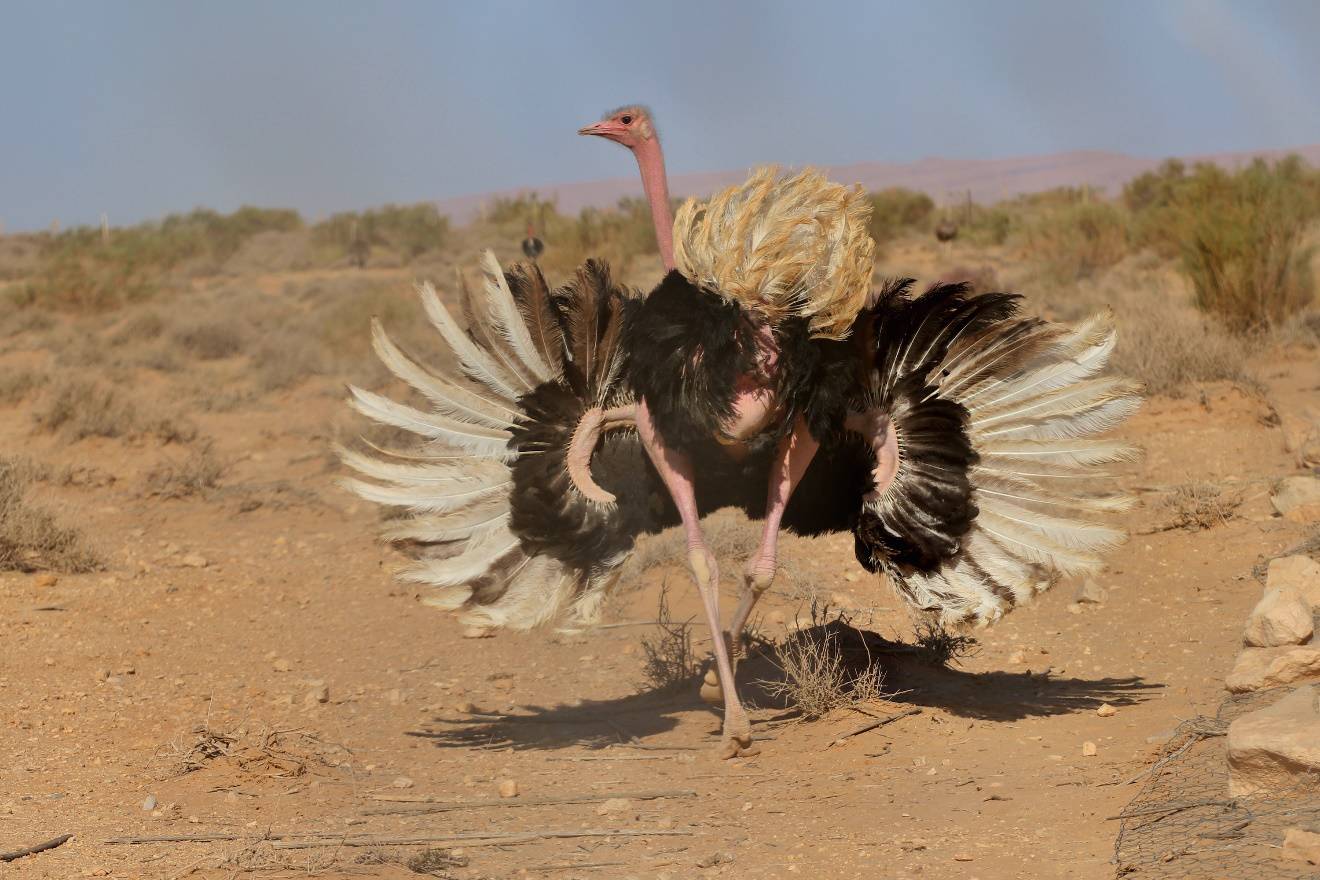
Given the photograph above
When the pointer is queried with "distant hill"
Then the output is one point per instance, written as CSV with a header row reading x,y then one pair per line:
x,y
945,180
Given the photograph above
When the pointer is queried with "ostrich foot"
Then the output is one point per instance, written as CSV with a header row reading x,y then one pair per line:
x,y
737,736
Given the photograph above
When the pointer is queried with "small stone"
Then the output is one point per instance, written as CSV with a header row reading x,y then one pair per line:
x,y
1074,608
1281,617
478,632
1106,711
317,695
718,858
1089,749
1300,574
1259,668
46,579
1091,593
282,665
962,857
850,577
614,805
465,708
1297,499
1302,846
150,803
193,560
508,788
402,782
1271,748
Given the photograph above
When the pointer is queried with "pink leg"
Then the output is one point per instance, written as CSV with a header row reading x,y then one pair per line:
x,y
675,468
791,460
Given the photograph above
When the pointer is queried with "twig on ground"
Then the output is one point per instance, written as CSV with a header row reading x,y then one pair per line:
x,y
874,724
35,848
478,838
431,806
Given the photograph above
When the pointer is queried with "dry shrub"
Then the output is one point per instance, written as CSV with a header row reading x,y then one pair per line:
x,y
819,674
897,210
670,662
212,340
1078,240
262,751
1169,349
938,646
141,328
79,408
283,363
15,385
981,279
30,538
1200,505
25,321
196,473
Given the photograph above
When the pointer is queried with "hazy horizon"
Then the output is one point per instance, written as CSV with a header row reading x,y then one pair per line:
x,y
143,109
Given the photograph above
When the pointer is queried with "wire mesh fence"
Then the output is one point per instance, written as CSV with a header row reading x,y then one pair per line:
x,y
1184,824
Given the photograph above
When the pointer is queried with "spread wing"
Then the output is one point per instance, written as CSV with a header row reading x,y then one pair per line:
x,y
1000,487
507,525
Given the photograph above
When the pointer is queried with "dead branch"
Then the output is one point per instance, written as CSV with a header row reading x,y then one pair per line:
x,y
422,805
874,724
477,838
35,848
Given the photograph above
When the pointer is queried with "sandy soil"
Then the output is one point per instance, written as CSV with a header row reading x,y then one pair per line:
x,y
187,676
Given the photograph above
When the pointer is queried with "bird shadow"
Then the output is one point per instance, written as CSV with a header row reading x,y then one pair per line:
x,y
913,675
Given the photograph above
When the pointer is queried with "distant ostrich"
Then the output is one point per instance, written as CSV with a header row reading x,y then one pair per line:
x,y
532,247
945,432
946,231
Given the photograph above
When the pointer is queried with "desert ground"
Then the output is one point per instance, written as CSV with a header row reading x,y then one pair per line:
x,y
218,659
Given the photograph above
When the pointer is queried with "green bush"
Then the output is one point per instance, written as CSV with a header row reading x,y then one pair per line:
x,y
1076,240
897,210
1238,235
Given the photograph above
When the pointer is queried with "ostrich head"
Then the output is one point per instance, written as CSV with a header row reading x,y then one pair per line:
x,y
633,127
630,126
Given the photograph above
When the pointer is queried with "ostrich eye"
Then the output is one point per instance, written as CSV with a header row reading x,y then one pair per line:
x,y
626,120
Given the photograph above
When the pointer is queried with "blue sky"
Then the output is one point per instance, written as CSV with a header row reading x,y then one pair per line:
x,y
139,108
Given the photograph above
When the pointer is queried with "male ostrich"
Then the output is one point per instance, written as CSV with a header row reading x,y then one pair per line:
x,y
943,430
532,247
946,231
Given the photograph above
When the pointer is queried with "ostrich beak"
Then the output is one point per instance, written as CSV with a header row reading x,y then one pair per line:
x,y
597,128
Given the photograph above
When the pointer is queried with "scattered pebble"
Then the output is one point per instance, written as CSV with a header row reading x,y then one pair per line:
x,y
478,632
193,560
1106,711
402,782
1089,749
317,695
718,858
282,665
962,857
150,803
508,788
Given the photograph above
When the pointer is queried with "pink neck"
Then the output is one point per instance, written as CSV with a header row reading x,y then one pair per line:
x,y
651,162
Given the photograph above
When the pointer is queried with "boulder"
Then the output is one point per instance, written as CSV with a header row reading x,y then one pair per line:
x,y
1269,749
1281,617
1298,573
1301,437
1259,668
1298,499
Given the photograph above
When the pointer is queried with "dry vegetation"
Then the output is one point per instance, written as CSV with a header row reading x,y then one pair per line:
x,y
31,538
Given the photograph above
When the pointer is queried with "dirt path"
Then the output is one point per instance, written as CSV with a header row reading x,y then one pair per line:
x,y
204,646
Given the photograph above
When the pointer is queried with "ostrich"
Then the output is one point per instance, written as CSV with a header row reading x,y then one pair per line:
x,y
946,231
532,247
943,430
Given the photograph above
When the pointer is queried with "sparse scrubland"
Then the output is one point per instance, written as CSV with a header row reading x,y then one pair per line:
x,y
184,588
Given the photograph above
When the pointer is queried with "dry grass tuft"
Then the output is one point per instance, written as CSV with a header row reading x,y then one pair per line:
x,y
196,473
1200,505
18,384
78,408
30,538
265,751
820,676
141,328
212,340
939,647
670,662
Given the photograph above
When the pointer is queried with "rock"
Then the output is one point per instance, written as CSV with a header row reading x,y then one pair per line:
x,y
46,579
614,805
508,788
1301,437
317,695
193,560
1106,711
478,632
282,665
1091,593
1271,748
1258,668
1301,846
1298,573
1089,749
402,782
1281,617
719,858
1298,499
150,803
